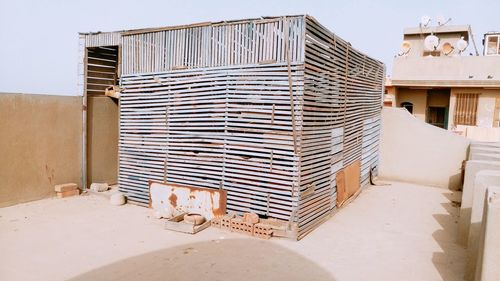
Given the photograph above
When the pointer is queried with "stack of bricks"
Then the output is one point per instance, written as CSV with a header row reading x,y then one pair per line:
x,y
238,224
262,230
216,222
248,224
225,222
66,190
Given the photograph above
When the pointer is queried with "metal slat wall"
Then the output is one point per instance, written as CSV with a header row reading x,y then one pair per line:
x,y
95,40
321,151
370,149
101,39
221,127
268,109
224,44
341,119
102,66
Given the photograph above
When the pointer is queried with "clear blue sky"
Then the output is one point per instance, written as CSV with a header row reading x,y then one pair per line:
x,y
39,39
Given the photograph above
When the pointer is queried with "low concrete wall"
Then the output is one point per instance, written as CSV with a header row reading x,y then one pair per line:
x,y
485,144
485,156
484,179
102,140
487,268
416,152
472,168
475,133
40,145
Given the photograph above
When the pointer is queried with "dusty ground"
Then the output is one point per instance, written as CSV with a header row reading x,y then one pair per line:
x,y
400,232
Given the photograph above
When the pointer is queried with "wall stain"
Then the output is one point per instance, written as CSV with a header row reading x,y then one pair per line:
x,y
50,173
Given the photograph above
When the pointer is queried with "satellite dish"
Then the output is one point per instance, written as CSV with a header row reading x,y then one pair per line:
x,y
424,21
447,48
462,45
441,20
431,42
405,48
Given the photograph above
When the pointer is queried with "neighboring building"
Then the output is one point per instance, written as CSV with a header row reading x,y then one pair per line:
x,y
491,44
443,86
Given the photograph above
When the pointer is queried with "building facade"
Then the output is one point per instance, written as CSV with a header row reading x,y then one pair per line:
x,y
444,79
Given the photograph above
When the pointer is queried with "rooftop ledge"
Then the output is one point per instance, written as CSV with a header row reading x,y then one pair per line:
x,y
437,29
466,71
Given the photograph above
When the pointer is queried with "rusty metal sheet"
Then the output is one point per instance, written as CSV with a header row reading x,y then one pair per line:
x,y
341,192
348,182
169,200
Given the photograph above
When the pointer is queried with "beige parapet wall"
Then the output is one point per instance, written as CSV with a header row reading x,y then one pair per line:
x,y
475,133
479,155
414,151
472,169
488,262
484,179
40,145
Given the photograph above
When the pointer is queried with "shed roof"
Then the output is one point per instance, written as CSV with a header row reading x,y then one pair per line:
x,y
199,24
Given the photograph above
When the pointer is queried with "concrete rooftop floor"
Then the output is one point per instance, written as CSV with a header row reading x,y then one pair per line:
x,y
397,232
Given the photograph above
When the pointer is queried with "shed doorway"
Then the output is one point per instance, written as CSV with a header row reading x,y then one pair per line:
x,y
102,120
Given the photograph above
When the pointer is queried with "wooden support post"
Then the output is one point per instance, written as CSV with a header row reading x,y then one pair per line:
x,y
271,162
165,163
290,90
272,113
268,203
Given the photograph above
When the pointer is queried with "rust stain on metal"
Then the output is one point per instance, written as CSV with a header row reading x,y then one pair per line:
x,y
182,198
173,199
221,211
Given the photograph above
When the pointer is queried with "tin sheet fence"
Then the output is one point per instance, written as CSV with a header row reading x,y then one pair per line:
x,y
341,119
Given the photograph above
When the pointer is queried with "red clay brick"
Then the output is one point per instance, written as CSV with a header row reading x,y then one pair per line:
x,y
261,230
65,187
251,217
68,193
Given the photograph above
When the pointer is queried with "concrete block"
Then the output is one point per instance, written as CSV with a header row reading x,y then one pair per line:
x,y
65,187
117,199
485,144
488,263
99,187
483,180
472,167
68,193
485,156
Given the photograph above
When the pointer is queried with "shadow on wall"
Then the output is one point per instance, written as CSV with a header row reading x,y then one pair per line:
x,y
445,261
416,152
233,259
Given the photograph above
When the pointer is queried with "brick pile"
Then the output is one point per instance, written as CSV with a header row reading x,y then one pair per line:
x,y
66,190
248,224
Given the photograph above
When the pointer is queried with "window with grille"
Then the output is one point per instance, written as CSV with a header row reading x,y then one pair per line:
x,y
466,109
